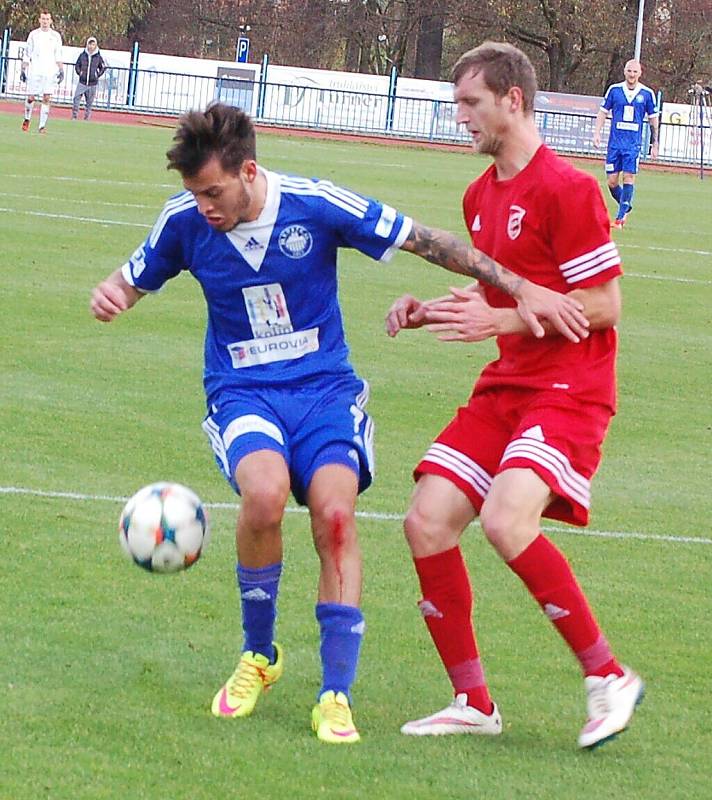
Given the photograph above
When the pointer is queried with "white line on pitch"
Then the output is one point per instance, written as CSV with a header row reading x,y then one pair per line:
x,y
75,179
377,515
666,278
625,246
79,201
77,219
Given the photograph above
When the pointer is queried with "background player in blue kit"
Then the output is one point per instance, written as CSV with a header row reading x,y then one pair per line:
x,y
286,411
629,103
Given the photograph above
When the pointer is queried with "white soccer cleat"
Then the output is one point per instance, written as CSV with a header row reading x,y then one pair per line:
x,y
458,717
611,702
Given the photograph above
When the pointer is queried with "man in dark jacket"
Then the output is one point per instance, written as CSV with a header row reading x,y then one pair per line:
x,y
90,67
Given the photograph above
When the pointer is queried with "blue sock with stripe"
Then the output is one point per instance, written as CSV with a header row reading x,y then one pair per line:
x,y
615,193
258,596
342,628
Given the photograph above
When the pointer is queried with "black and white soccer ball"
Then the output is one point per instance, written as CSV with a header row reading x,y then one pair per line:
x,y
164,527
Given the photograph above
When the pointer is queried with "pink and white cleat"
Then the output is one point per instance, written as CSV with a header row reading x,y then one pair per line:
x,y
458,717
611,702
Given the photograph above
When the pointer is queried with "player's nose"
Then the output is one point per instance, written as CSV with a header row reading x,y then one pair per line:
x,y
205,205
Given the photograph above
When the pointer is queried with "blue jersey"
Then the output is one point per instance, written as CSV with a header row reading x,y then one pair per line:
x,y
628,112
270,285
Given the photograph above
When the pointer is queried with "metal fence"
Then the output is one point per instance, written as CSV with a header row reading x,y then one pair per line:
x,y
312,107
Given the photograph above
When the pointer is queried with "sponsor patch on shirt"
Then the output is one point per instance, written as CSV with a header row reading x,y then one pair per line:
x,y
287,347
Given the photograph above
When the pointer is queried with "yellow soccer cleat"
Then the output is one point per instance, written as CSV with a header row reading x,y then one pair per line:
x,y
332,720
254,675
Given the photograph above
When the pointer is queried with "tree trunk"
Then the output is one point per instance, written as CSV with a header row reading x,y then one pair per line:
x,y
352,54
429,46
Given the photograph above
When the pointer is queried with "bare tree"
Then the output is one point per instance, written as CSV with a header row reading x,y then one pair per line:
x,y
110,20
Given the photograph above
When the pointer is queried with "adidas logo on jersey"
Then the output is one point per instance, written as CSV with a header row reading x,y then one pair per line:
x,y
476,224
253,244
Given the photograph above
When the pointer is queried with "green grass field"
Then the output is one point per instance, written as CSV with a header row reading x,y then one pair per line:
x,y
107,672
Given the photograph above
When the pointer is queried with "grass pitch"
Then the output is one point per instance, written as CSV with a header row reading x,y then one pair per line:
x,y
107,672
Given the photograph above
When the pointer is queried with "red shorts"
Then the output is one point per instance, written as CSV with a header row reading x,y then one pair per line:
x,y
549,432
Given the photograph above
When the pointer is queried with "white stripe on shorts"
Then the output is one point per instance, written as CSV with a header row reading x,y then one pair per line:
x,y
556,463
213,433
461,465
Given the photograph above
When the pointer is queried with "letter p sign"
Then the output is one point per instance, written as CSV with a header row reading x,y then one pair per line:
x,y
243,49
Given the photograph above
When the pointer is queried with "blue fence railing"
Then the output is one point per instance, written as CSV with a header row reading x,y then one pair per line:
x,y
363,113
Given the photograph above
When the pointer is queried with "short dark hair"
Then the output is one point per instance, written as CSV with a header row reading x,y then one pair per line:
x,y
502,66
222,131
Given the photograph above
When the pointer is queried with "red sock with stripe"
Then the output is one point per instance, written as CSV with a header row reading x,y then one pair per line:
x,y
447,609
551,581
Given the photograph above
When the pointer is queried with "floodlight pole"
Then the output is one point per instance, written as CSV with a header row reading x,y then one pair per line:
x,y
639,30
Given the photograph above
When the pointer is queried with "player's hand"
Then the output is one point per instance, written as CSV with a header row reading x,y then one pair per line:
x,y
406,312
463,317
596,140
23,75
108,301
654,150
564,313
60,75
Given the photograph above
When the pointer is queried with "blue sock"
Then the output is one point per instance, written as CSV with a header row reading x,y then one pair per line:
x,y
258,596
627,198
342,629
615,193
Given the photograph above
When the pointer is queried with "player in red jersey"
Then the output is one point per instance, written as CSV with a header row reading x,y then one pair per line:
x,y
528,442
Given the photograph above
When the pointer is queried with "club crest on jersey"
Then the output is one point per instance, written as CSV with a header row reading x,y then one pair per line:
x,y
295,241
514,223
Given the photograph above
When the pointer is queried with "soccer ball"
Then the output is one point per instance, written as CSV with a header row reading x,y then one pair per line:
x,y
164,528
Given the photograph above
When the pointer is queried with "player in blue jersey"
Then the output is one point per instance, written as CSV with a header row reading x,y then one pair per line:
x,y
629,104
285,409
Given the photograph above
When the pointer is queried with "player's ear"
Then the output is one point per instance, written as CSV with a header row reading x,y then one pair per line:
x,y
248,169
516,98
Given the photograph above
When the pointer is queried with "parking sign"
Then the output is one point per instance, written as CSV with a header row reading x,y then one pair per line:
x,y
243,49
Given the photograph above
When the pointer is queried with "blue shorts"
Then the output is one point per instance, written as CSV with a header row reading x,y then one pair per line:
x,y
622,161
318,423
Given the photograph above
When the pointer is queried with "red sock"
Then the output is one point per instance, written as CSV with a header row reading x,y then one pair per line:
x,y
552,583
447,609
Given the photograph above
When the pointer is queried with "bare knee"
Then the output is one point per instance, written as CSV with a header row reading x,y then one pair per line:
x,y
263,504
428,532
333,527
507,528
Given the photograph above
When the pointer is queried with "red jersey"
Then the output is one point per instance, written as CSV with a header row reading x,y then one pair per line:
x,y
548,224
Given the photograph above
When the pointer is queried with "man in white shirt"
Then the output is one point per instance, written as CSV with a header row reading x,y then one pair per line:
x,y
43,56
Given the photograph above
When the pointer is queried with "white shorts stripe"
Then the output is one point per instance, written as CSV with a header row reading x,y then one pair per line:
x,y
462,466
554,462
213,433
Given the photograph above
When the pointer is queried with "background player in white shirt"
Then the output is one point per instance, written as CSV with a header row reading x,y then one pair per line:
x,y
629,104
285,409
43,58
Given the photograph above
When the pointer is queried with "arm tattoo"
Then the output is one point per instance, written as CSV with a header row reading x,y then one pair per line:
x,y
442,248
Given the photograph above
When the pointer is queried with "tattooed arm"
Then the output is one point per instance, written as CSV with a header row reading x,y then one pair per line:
x,y
564,313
